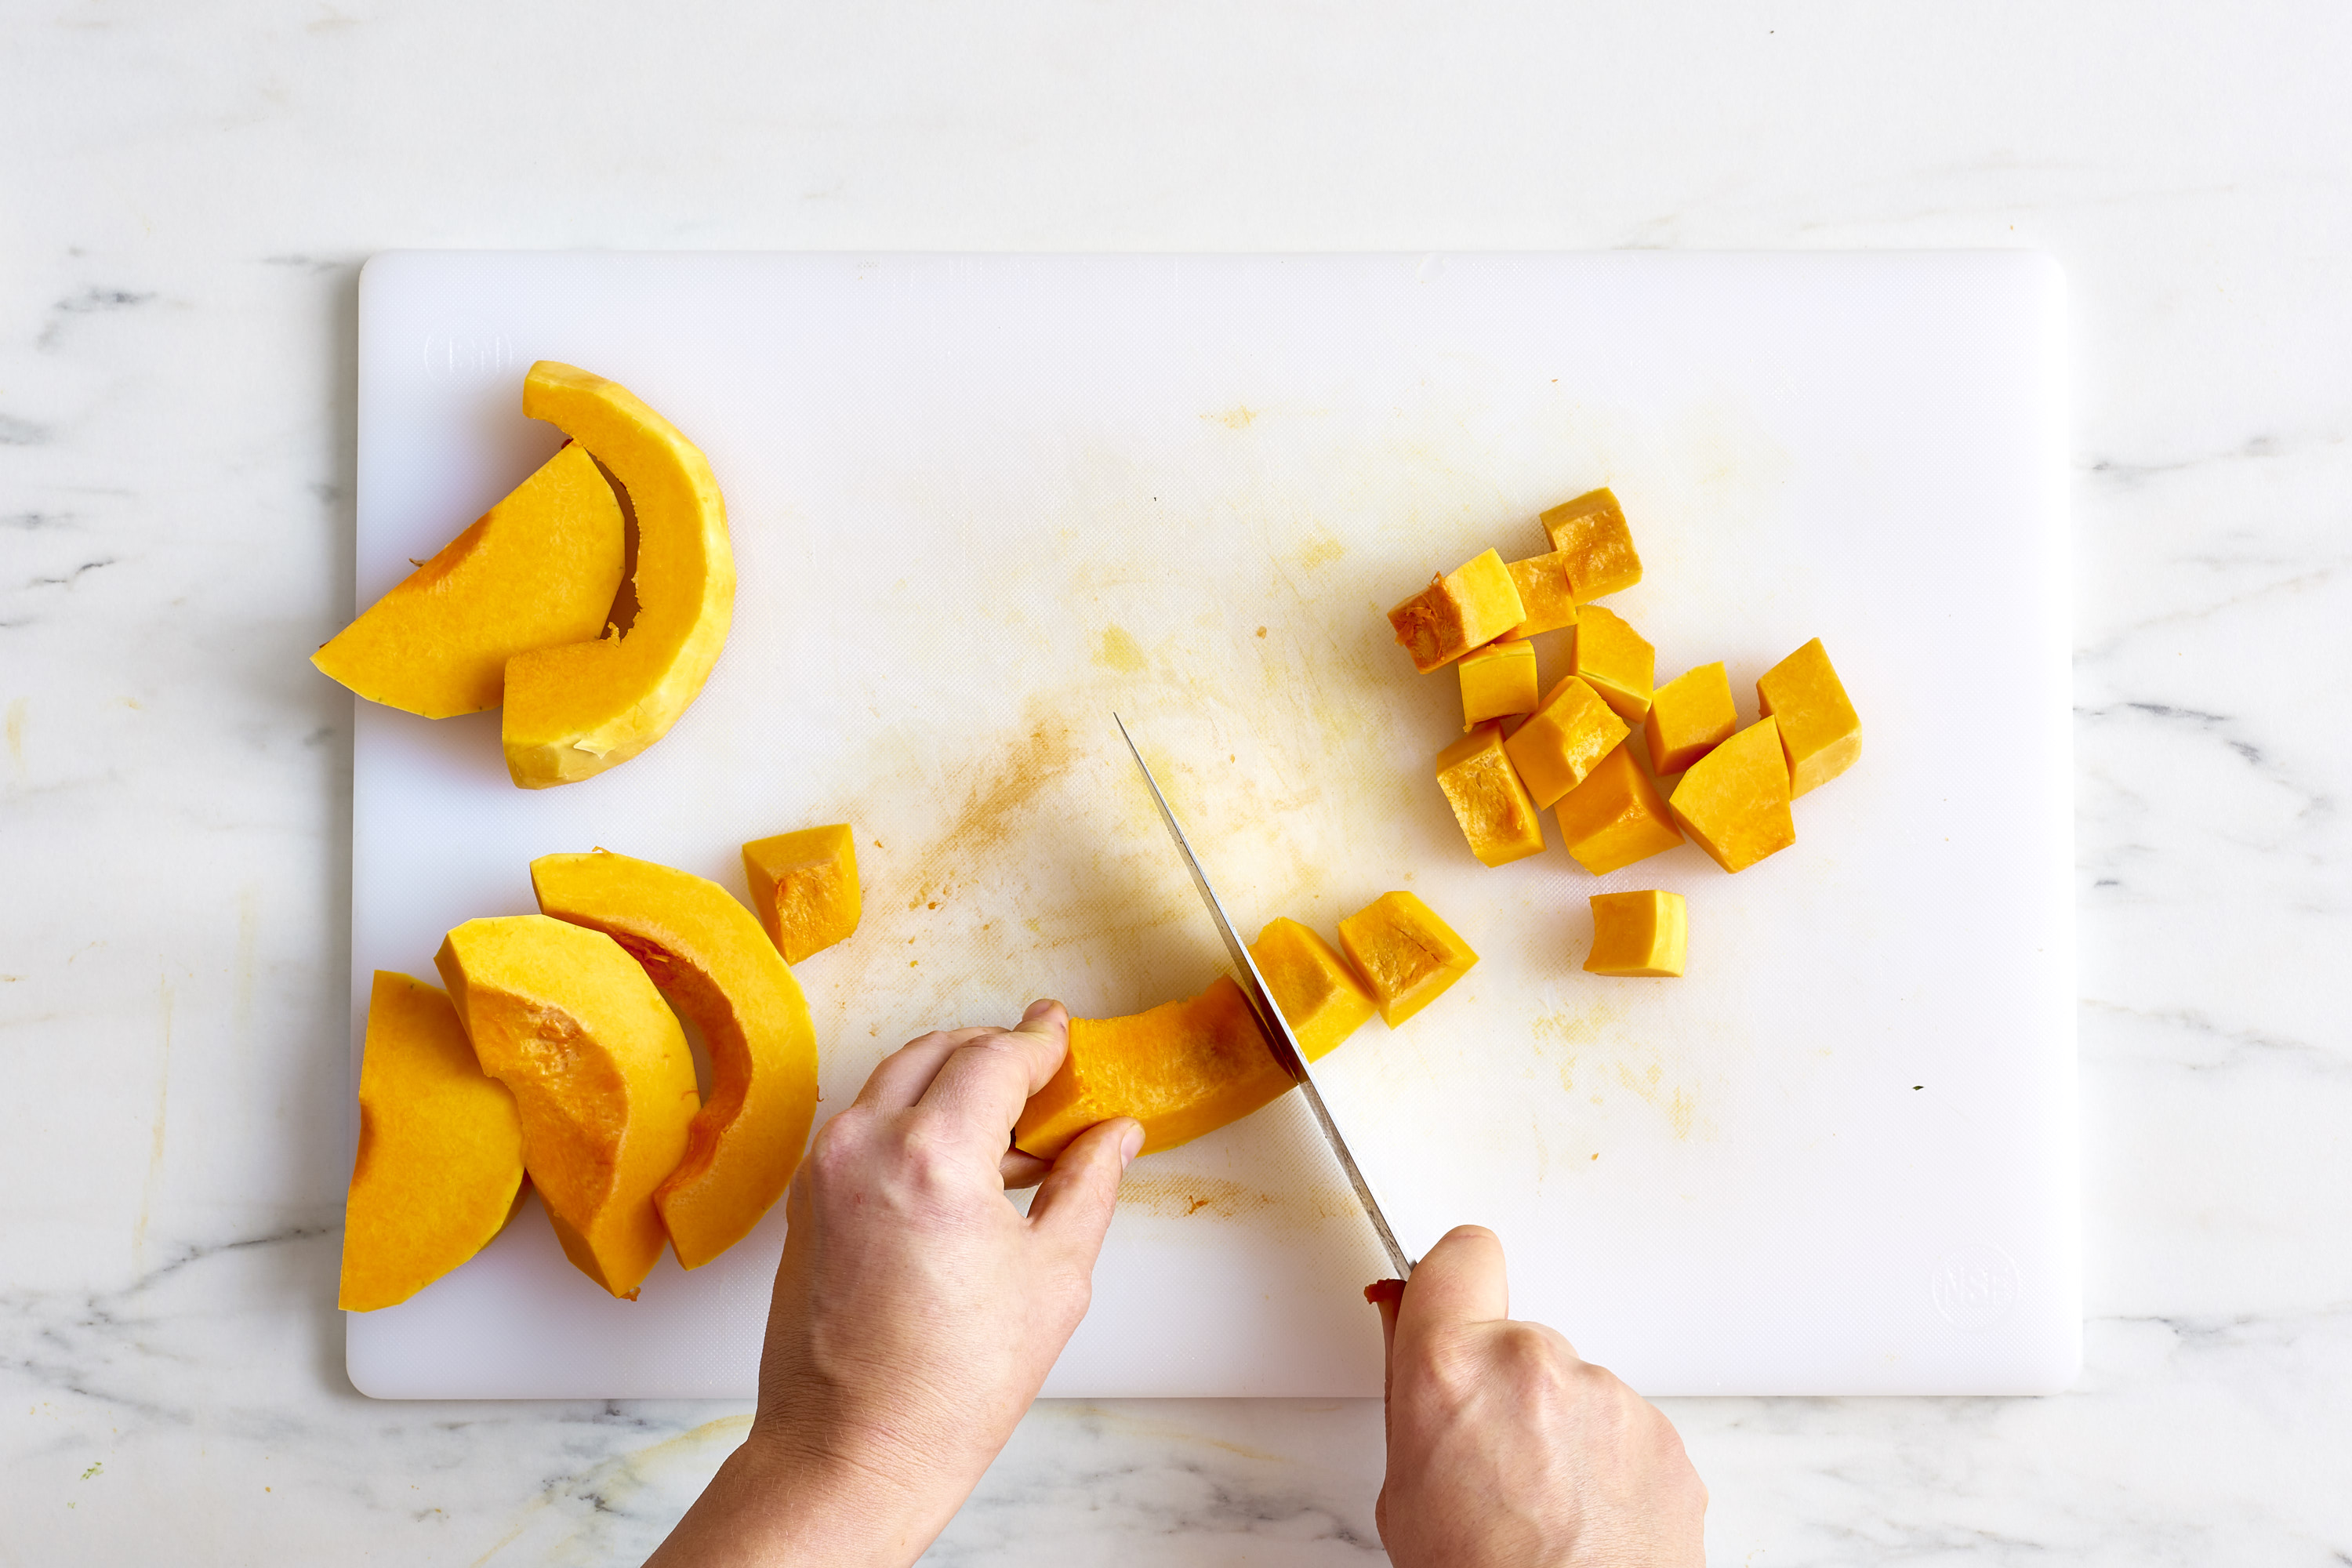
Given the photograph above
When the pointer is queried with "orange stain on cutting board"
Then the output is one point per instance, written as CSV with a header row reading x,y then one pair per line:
x,y
1177,1196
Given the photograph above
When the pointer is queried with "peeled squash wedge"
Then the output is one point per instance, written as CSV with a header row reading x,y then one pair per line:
x,y
601,1075
537,570
440,1157
709,954
573,710
1183,1069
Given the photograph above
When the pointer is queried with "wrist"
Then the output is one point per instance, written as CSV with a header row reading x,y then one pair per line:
x,y
850,1503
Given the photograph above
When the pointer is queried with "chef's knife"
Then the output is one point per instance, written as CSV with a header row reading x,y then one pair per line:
x,y
1277,1028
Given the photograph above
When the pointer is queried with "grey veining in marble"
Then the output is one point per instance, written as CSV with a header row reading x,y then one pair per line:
x,y
184,198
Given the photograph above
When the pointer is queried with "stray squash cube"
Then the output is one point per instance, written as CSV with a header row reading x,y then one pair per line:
x,y
804,887
1322,999
1497,681
1821,734
1639,934
1497,817
1734,802
1689,717
1616,816
440,1156
1546,592
1615,661
1591,531
1563,740
1467,608
1406,955
1182,1069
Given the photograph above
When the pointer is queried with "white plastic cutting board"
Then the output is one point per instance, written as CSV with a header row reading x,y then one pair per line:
x,y
978,503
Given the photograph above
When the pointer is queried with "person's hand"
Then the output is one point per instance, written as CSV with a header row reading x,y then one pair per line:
x,y
915,1312
1505,1448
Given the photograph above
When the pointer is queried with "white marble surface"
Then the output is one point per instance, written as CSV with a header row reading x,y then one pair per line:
x,y
185,195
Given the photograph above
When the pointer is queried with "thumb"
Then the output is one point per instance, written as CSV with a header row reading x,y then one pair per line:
x,y
1074,1202
1462,1281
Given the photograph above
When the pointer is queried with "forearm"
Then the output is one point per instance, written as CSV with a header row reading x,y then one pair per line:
x,y
770,1508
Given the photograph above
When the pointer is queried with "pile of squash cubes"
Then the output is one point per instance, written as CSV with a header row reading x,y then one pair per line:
x,y
1567,749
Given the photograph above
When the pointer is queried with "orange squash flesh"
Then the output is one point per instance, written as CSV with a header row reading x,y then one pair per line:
x,y
1183,1069
1465,608
1734,800
1545,593
1616,816
1405,954
1645,935
1689,716
1820,735
1614,661
574,709
703,949
804,887
1322,999
1565,740
601,1074
537,570
1591,532
440,1155
1498,818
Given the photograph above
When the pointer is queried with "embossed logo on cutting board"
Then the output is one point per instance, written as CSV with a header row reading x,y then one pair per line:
x,y
1975,1287
466,356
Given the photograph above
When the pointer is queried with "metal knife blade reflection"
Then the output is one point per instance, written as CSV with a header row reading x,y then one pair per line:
x,y
1277,1029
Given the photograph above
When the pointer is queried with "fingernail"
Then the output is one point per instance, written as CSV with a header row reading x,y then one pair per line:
x,y
1037,1009
1130,1144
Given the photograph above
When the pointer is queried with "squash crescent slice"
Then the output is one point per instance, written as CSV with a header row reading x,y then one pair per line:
x,y
710,956
576,710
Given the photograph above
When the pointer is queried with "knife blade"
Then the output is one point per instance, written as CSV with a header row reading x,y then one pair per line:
x,y
1278,1034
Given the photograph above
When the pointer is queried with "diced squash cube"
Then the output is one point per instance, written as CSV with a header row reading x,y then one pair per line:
x,y
1563,740
1498,680
1615,661
804,887
1591,531
1734,800
1404,952
1322,998
1467,608
1616,816
1639,933
1820,735
1689,717
1546,592
1488,800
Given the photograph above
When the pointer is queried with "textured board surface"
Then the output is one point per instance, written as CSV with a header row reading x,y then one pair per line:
x,y
979,503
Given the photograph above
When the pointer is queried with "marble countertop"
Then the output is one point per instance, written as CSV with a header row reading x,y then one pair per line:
x,y
185,202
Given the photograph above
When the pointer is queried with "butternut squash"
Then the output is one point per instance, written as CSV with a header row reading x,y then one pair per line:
x,y
601,1074
1734,802
440,1156
1183,1069
1465,608
1645,933
708,953
804,887
538,569
1322,999
576,710
1405,954
1820,735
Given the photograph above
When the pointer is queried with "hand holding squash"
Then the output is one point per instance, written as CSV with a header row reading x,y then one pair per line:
x,y
915,1312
